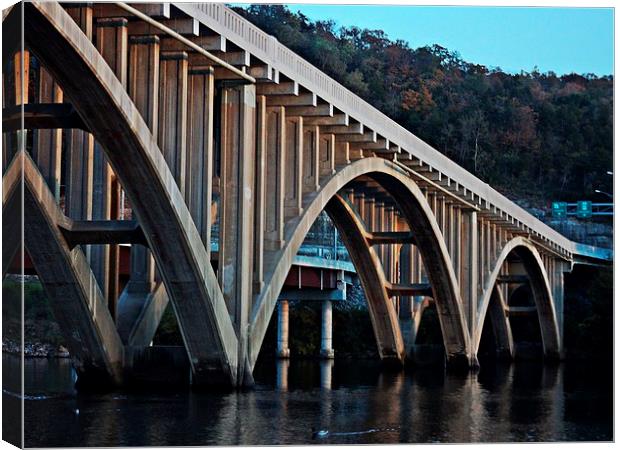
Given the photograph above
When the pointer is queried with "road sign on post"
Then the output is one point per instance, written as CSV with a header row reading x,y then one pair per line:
x,y
559,210
584,209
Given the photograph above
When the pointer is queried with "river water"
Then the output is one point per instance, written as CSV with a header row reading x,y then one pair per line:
x,y
346,402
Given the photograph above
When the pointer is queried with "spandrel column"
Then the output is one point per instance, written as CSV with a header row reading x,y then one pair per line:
x,y
143,86
112,43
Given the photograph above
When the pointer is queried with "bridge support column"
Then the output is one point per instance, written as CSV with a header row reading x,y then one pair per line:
x,y
282,350
112,44
79,161
237,213
282,374
326,374
143,83
327,352
559,267
469,280
407,303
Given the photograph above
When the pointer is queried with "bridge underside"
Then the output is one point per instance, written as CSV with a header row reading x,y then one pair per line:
x,y
150,126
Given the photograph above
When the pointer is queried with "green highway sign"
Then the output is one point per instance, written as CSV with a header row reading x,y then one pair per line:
x,y
584,209
559,210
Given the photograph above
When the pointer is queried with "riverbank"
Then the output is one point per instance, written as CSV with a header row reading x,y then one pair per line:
x,y
35,349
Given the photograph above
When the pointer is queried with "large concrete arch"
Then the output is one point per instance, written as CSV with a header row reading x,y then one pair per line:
x,y
541,289
421,221
131,149
75,298
368,266
437,263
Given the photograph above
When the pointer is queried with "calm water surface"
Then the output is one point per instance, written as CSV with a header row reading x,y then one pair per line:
x,y
354,402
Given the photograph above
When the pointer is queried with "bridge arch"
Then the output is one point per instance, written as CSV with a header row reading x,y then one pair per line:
x,y
541,290
419,216
131,149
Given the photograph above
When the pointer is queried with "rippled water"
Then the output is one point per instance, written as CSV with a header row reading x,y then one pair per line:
x,y
345,403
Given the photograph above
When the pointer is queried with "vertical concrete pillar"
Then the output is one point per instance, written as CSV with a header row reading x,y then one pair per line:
x,y
282,374
405,310
112,44
237,159
350,196
327,148
441,216
199,168
432,200
395,247
311,158
488,248
21,66
260,194
369,219
143,87
458,238
406,303
172,134
79,158
341,156
143,82
450,229
274,180
360,205
282,350
387,249
493,245
327,351
9,98
378,226
114,255
79,190
294,166
469,273
47,144
560,267
327,368
482,262
355,152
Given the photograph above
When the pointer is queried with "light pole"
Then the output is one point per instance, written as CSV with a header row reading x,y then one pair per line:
x,y
598,191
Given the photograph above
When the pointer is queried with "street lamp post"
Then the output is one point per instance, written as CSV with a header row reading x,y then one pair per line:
x,y
598,191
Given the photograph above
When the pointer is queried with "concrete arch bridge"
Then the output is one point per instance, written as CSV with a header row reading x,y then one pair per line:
x,y
197,117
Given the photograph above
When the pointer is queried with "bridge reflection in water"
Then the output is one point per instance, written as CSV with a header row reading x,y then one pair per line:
x,y
356,402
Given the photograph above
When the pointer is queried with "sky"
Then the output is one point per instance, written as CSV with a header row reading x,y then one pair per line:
x,y
562,40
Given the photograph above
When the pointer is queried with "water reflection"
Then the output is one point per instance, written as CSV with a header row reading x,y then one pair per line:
x,y
356,402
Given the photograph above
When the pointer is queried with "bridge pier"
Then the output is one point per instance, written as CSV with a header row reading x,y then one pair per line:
x,y
236,243
327,352
282,350
282,374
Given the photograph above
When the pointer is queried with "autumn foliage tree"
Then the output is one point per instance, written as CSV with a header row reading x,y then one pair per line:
x,y
534,135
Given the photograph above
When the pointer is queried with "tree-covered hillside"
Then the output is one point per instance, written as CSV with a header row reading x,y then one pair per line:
x,y
530,135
